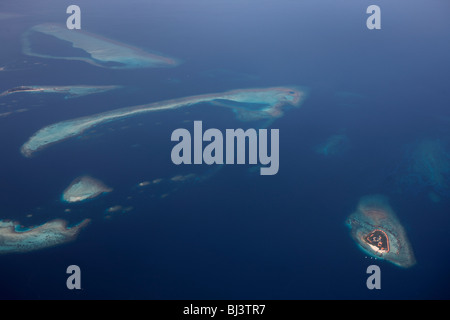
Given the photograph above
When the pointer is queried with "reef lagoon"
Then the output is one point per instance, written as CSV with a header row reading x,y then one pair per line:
x,y
87,179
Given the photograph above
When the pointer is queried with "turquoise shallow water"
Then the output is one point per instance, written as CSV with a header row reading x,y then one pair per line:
x,y
200,232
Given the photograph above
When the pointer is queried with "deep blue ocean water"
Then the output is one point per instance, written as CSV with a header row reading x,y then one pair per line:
x,y
234,234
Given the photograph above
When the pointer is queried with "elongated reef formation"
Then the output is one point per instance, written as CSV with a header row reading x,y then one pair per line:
x,y
68,91
13,238
247,104
102,52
